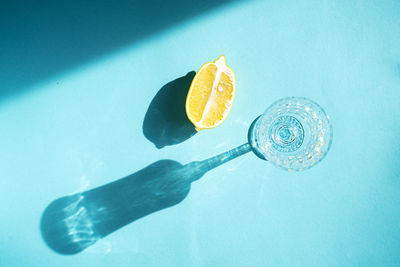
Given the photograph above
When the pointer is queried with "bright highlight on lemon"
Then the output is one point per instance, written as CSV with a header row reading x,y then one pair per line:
x,y
211,95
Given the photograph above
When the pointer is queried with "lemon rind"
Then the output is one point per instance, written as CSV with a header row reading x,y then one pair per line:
x,y
199,126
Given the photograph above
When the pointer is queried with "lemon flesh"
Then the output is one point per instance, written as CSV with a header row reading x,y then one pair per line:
x,y
211,95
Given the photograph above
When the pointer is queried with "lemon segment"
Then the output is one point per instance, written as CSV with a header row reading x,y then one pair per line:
x,y
211,95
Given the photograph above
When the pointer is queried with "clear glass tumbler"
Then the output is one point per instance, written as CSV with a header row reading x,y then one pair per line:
x,y
294,134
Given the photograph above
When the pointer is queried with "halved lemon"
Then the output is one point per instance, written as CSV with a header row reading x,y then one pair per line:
x,y
211,95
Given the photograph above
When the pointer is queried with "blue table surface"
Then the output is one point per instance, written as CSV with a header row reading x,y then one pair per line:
x,y
82,127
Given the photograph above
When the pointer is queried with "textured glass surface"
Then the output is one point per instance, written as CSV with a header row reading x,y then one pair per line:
x,y
293,133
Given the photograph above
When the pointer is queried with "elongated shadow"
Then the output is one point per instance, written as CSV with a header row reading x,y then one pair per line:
x,y
165,122
72,223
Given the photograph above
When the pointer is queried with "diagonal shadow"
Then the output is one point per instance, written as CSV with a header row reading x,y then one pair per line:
x,y
42,38
72,223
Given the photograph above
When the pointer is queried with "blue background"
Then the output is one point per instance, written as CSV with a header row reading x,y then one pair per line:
x,y
77,79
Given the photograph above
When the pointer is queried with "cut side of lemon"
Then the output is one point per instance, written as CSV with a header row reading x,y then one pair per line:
x,y
211,95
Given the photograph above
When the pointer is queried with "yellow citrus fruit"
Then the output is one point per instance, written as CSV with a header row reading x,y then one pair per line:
x,y
211,95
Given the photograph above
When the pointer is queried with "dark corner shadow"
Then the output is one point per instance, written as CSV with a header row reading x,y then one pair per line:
x,y
40,39
165,122
72,223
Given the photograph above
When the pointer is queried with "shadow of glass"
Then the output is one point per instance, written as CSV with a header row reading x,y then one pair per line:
x,y
40,39
165,122
72,223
